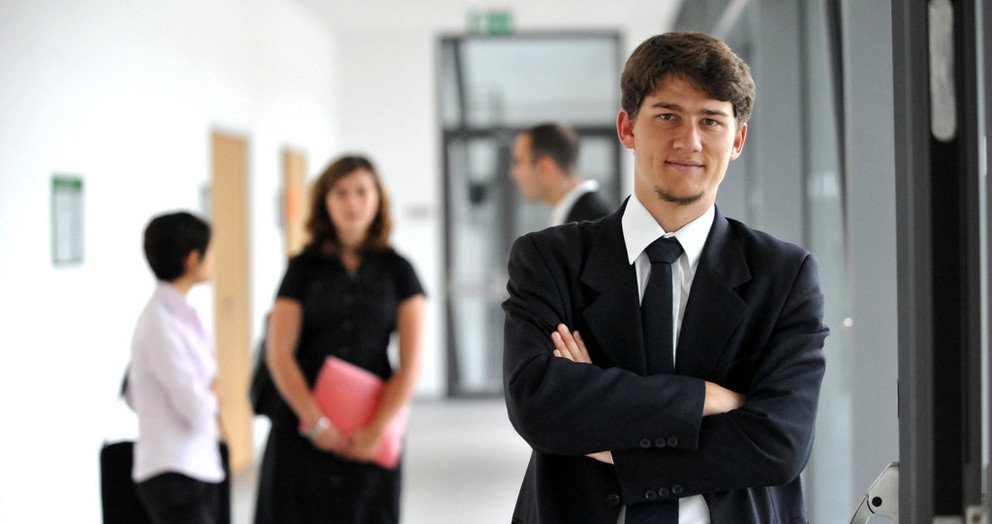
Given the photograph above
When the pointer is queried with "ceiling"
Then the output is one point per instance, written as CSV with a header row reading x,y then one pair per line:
x,y
452,15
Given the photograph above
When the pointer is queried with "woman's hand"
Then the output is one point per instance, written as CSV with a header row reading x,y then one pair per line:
x,y
570,345
215,389
364,443
331,440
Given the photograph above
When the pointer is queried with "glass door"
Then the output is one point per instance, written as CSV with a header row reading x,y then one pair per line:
x,y
492,89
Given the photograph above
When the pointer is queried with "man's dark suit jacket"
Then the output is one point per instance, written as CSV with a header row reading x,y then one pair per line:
x,y
753,324
588,207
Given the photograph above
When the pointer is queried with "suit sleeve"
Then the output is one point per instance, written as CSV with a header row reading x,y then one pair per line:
x,y
565,408
768,441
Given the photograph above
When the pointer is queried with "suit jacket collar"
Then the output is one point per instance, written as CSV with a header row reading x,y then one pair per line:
x,y
715,308
560,212
613,317
712,313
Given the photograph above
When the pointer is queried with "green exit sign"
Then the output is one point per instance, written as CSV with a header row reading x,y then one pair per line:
x,y
490,22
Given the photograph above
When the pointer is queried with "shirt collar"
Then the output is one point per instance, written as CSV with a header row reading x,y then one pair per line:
x,y
173,299
640,229
560,211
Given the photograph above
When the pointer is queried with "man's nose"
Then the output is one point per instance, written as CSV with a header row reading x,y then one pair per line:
x,y
687,138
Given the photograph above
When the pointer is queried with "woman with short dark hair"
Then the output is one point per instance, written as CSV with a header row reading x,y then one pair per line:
x,y
171,382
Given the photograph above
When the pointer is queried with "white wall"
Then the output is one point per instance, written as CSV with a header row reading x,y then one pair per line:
x,y
125,95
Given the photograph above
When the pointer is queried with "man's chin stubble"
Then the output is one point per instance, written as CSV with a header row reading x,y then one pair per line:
x,y
677,200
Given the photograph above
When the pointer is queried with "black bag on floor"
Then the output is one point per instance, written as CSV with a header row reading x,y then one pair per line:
x,y
119,499
118,496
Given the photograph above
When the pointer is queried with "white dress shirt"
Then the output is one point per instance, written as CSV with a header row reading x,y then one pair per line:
x,y
169,387
640,229
564,206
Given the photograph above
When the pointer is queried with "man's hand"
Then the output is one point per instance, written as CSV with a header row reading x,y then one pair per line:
x,y
721,400
603,456
570,345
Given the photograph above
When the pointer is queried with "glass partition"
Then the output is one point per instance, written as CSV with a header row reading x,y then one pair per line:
x,y
793,181
493,88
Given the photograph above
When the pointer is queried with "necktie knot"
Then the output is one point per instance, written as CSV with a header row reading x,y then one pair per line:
x,y
664,249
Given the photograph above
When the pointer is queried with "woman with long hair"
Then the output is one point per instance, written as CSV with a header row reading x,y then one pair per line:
x,y
344,295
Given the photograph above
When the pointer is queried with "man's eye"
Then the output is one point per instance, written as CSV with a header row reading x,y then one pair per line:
x,y
666,116
710,122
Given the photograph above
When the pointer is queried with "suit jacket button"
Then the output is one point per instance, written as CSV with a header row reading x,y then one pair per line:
x,y
613,500
663,493
677,490
645,443
651,495
659,442
673,442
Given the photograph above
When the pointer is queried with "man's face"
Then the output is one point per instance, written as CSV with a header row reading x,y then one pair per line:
x,y
524,169
682,141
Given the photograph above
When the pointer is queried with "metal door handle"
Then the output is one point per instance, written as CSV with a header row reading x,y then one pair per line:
x,y
882,498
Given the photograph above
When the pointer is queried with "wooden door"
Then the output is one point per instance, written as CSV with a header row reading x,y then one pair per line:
x,y
294,203
232,297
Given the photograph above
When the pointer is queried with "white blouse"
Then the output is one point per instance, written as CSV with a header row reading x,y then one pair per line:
x,y
169,387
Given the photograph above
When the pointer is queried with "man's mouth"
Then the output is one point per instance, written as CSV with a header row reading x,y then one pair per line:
x,y
684,164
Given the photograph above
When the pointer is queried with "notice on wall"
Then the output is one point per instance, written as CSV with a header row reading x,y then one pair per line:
x,y
67,220
490,22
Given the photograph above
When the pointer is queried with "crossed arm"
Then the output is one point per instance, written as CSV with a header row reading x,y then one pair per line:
x,y
570,407
569,345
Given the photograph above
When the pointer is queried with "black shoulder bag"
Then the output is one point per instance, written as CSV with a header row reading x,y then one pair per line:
x,y
262,393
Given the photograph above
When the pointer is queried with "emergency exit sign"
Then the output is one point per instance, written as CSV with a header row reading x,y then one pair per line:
x,y
497,22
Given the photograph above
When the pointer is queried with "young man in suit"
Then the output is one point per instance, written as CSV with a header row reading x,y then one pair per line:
x,y
544,167
690,395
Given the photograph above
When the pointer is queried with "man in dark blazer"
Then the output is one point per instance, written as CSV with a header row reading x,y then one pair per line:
x,y
721,437
544,166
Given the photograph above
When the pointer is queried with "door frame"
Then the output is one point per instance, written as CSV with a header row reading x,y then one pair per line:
x,y
940,272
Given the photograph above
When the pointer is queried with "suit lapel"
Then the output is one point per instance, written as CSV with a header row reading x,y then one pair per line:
x,y
613,317
714,308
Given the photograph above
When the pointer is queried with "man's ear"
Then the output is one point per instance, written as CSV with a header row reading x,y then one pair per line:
x,y
738,146
546,164
625,129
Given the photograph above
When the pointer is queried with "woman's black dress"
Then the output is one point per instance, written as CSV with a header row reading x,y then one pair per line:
x,y
350,316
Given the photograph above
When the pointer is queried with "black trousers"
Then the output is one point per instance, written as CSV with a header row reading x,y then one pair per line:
x,y
174,498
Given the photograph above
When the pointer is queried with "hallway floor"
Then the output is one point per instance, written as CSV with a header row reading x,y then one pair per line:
x,y
463,463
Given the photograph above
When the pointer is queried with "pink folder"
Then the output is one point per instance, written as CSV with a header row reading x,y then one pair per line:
x,y
350,396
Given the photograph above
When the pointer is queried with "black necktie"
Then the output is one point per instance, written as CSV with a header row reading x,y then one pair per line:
x,y
656,322
656,306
